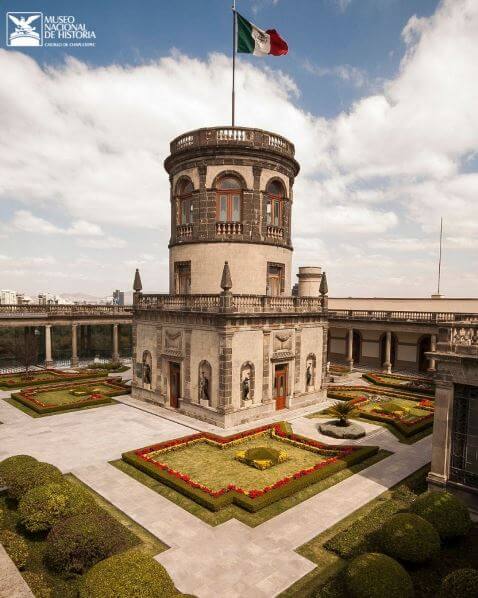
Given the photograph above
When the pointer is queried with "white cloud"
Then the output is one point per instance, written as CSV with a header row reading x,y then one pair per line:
x,y
345,72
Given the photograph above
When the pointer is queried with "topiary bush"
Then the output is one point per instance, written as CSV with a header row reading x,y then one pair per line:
x,y
27,477
408,537
77,543
374,575
445,512
261,457
12,466
44,506
460,583
38,584
128,574
16,547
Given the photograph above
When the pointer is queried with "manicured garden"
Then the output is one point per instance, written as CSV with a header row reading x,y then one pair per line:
x,y
408,542
67,542
407,383
215,472
62,397
49,376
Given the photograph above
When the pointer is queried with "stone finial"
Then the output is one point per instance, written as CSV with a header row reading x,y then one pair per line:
x,y
226,280
137,286
323,289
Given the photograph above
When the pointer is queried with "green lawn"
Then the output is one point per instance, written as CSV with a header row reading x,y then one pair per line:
x,y
33,413
408,408
235,512
64,396
216,467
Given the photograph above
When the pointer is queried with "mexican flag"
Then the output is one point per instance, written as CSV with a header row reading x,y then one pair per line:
x,y
252,40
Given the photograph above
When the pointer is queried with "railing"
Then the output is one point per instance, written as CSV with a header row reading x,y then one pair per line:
x,y
256,138
276,232
460,337
184,230
228,228
25,311
240,303
398,316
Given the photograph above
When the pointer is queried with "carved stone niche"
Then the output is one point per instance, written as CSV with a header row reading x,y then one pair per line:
x,y
247,384
282,345
173,344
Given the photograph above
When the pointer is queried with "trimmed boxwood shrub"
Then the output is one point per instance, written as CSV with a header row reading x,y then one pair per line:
x,y
27,477
16,547
76,544
125,575
38,584
374,575
10,467
408,537
445,512
460,583
44,506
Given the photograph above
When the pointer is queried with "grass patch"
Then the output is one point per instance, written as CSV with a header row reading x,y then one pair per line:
x,y
41,377
33,413
233,511
329,563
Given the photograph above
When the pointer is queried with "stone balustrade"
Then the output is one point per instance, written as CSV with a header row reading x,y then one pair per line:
x,y
460,337
27,311
184,231
275,232
242,136
398,316
246,304
228,228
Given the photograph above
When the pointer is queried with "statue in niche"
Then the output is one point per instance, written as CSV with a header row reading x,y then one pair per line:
x,y
146,373
308,374
204,387
246,387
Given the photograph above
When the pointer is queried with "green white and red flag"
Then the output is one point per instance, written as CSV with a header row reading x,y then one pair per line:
x,y
252,40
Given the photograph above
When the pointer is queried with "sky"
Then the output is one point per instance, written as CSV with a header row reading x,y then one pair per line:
x,y
379,97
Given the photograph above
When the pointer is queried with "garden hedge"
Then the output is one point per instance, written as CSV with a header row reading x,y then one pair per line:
x,y
460,584
448,515
27,477
374,575
215,503
77,543
125,575
44,506
408,537
11,467
402,428
59,376
16,547
375,379
38,584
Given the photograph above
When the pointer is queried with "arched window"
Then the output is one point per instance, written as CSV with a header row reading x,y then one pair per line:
x,y
228,199
275,204
184,191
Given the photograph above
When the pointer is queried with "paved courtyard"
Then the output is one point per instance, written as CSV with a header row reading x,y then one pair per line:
x,y
229,560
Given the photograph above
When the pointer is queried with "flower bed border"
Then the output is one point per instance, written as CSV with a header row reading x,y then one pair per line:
x,y
333,392
250,500
62,377
375,379
25,396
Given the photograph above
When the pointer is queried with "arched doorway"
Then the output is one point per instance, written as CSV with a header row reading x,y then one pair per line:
x,y
356,347
393,349
424,345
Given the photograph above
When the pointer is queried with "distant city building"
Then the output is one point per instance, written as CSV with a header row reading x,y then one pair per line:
x,y
8,297
118,297
23,299
50,299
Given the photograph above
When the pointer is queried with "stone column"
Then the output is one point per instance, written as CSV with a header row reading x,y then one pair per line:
x,y
266,391
387,364
115,355
187,366
442,435
297,380
74,345
350,345
433,348
225,373
48,356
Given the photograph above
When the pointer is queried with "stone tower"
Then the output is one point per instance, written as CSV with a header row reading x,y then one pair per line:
x,y
231,200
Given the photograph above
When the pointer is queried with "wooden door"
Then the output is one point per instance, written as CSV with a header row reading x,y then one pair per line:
x,y
280,386
174,384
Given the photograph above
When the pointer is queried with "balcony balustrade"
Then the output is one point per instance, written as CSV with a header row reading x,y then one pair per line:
x,y
184,231
398,316
275,232
228,228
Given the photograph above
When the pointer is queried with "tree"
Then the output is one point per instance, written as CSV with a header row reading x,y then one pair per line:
x,y
24,348
342,410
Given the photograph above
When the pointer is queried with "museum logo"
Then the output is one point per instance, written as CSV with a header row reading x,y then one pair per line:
x,y
36,29
24,29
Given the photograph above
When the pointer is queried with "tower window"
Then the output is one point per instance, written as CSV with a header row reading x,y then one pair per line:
x,y
275,204
275,279
228,198
185,202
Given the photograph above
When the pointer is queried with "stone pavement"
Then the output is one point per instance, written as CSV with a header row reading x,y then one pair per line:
x,y
230,560
12,584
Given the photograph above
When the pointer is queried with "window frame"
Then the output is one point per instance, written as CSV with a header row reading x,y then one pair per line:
x,y
185,199
229,195
275,204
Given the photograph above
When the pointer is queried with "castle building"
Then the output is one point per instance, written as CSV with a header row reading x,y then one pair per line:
x,y
230,343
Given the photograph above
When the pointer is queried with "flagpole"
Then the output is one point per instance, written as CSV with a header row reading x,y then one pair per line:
x,y
233,60
440,256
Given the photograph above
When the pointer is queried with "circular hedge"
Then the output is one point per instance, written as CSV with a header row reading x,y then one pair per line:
x,y
44,506
12,466
26,477
77,543
445,512
460,583
128,574
374,575
408,537
16,547
262,453
38,584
